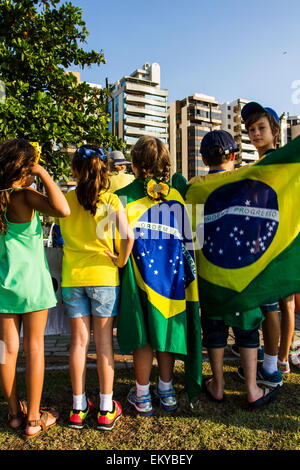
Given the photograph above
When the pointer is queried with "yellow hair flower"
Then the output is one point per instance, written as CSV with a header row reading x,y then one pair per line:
x,y
38,150
156,190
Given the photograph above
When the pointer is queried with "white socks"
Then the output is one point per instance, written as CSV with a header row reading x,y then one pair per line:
x,y
270,363
79,402
164,386
142,389
106,403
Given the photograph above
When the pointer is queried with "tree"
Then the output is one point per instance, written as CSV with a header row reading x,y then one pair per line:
x,y
39,41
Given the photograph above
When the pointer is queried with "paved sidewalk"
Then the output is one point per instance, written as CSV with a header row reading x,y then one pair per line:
x,y
57,349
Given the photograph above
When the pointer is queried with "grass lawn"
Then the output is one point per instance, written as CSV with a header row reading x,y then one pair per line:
x,y
226,426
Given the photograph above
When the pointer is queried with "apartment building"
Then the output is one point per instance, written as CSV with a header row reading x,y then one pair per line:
x,y
233,123
189,120
138,106
293,127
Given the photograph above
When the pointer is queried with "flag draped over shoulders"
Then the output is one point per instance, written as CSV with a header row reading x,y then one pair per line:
x,y
250,248
159,293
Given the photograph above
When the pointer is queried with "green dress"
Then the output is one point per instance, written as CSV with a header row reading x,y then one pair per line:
x,y
25,280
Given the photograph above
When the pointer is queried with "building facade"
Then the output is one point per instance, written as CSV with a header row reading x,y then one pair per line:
x,y
138,106
189,120
293,127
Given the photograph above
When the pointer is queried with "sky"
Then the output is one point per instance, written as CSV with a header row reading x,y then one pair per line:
x,y
228,49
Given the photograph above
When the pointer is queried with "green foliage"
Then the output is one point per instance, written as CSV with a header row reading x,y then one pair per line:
x,y
39,41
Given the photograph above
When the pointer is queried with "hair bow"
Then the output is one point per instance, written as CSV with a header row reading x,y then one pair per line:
x,y
85,152
38,150
156,190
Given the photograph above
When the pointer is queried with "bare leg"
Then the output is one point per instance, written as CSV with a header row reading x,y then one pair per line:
x,y
216,384
287,307
249,364
34,324
80,339
142,359
10,335
165,365
271,333
103,338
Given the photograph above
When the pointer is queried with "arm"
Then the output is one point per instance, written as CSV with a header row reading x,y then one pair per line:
x,y
55,203
127,240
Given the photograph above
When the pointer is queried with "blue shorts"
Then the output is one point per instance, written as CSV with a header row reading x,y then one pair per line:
x,y
100,301
269,307
215,334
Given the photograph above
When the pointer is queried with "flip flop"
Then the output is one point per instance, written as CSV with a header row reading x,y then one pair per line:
x,y
42,422
267,397
208,393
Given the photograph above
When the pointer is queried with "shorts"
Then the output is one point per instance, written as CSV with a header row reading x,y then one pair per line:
x,y
269,307
215,334
100,301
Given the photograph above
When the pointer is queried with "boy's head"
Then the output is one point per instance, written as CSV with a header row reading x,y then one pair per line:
x,y
262,125
218,148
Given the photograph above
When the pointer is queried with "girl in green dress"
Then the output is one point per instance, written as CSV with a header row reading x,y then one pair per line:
x,y
26,290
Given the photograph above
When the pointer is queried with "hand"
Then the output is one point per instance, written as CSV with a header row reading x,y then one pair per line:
x,y
36,169
115,259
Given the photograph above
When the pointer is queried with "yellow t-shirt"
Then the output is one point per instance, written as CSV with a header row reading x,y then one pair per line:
x,y
86,238
119,180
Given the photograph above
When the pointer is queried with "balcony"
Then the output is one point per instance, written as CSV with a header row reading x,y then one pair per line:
x,y
141,99
136,120
149,90
144,111
138,132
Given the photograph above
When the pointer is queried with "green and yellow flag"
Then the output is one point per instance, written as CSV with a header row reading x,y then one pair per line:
x,y
249,231
159,294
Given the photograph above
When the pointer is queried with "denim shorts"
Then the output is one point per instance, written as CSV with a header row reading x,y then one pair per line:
x,y
100,301
215,334
269,307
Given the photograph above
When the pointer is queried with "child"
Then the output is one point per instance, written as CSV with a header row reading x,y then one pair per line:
x,y
90,280
118,176
263,127
218,153
159,300
26,290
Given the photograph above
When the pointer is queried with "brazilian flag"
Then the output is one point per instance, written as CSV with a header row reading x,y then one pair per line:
x,y
250,245
159,293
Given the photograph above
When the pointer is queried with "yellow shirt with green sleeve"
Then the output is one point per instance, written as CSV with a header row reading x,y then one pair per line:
x,y
86,239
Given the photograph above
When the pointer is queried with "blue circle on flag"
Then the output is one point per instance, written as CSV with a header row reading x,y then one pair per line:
x,y
161,249
240,223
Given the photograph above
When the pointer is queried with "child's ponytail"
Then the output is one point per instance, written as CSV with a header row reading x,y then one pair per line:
x,y
89,162
151,158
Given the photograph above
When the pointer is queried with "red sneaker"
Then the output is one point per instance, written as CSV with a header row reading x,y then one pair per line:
x,y
78,417
106,419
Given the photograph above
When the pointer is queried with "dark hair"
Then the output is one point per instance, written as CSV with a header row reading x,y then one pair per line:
x,y
151,158
17,156
215,156
275,126
93,177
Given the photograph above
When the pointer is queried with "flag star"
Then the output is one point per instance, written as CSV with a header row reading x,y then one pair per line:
x,y
211,244
151,260
155,272
248,203
142,234
248,243
269,234
259,239
238,243
241,232
208,238
231,235
235,229
138,257
220,251
239,258
218,229
271,228
143,254
247,218
148,252
171,261
210,250
180,262
175,272
160,247
264,237
177,257
150,265
252,250
253,242
273,223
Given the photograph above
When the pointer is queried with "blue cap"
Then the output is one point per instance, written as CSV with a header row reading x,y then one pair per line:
x,y
253,107
218,138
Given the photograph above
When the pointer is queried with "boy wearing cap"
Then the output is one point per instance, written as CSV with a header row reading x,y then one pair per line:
x,y
118,165
263,127
218,153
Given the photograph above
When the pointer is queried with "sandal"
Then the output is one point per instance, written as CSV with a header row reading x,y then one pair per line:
x,y
20,415
42,422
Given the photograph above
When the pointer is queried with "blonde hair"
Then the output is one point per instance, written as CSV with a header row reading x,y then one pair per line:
x,y
151,158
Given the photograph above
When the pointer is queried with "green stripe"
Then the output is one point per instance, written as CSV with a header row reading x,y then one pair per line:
x,y
290,153
280,279
133,191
